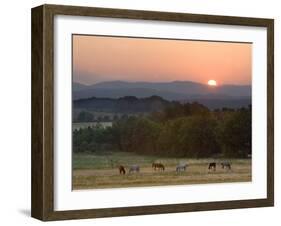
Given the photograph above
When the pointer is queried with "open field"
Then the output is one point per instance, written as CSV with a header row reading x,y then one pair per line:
x,y
83,125
92,171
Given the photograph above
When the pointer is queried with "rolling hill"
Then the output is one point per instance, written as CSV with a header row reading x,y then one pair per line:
x,y
177,90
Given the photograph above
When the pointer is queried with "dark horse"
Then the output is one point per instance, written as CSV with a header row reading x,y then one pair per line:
x,y
212,165
122,169
158,166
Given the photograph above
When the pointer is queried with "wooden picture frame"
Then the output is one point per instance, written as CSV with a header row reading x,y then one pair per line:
x,y
42,203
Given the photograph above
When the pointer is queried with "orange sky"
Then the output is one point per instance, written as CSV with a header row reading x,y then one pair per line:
x,y
99,58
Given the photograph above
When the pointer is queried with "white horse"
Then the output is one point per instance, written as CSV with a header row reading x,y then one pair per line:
x,y
134,168
181,167
226,165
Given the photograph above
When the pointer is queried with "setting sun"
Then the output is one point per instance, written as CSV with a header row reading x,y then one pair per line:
x,y
212,83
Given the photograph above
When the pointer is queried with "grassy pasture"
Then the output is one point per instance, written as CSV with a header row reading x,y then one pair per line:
x,y
100,170
83,125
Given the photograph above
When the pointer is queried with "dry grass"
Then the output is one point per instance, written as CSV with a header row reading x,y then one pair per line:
x,y
88,177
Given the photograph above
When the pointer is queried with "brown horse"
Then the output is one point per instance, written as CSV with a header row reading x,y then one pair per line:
x,y
122,170
158,166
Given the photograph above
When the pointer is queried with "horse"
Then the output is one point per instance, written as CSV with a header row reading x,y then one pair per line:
x,y
212,165
226,165
181,167
158,166
122,170
134,168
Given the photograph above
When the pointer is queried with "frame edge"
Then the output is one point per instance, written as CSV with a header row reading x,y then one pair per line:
x,y
37,186
270,112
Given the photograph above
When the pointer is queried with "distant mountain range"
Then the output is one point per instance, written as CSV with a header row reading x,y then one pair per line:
x,y
176,90
128,104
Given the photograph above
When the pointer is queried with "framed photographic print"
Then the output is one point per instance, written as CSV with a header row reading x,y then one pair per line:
x,y
141,112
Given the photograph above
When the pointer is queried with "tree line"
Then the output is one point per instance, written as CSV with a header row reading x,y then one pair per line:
x,y
181,130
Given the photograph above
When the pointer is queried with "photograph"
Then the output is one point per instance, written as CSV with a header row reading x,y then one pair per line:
x,y
140,112
160,112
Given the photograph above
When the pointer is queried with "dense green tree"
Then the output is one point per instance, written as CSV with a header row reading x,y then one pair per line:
x,y
198,136
189,130
168,140
144,137
124,129
94,139
235,133
178,110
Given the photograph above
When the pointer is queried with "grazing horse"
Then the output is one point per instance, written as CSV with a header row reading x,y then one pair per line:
x,y
122,170
181,167
226,165
158,166
212,165
134,168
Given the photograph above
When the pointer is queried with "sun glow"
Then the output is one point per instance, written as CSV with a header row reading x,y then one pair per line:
x,y
212,83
